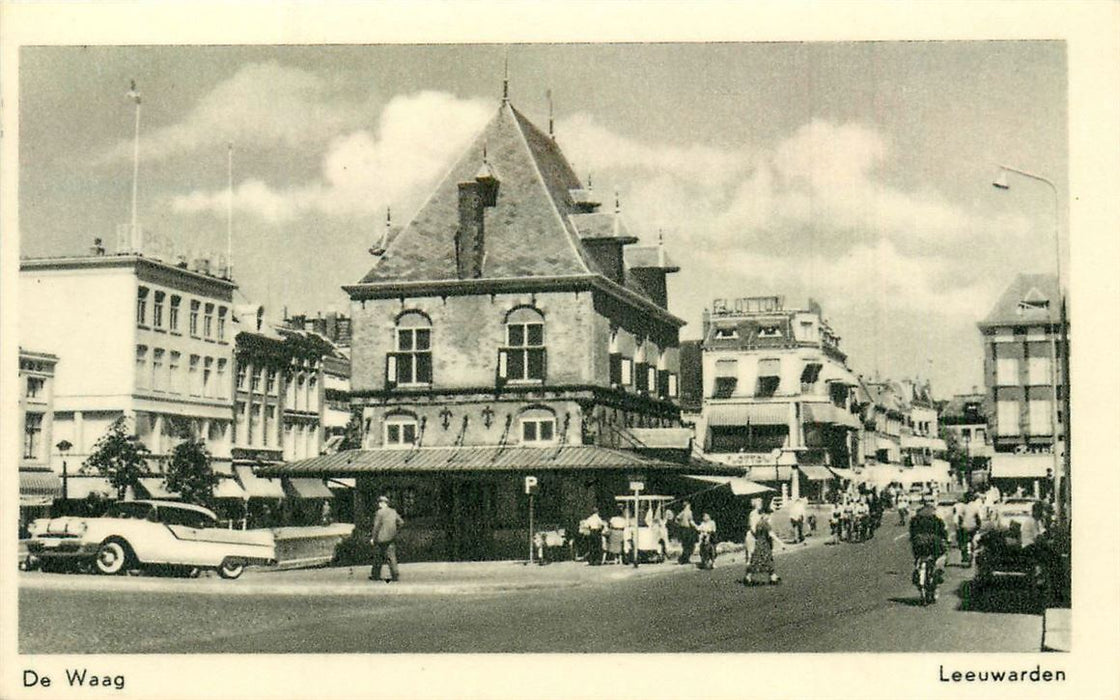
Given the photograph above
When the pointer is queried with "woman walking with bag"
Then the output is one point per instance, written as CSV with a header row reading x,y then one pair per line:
x,y
760,564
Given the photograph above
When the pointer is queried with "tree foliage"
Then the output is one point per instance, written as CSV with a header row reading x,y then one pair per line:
x,y
352,438
119,457
189,472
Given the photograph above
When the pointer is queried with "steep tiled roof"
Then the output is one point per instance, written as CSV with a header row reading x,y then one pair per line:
x,y
531,231
1029,299
526,233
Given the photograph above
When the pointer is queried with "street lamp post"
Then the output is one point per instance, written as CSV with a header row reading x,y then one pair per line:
x,y
63,447
1060,508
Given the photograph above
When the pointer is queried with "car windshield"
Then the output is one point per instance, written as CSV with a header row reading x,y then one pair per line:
x,y
130,510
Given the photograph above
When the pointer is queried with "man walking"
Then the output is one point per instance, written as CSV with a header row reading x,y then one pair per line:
x,y
386,522
686,530
594,526
797,519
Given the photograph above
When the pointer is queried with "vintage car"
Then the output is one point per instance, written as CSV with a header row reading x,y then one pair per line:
x,y
1011,547
142,534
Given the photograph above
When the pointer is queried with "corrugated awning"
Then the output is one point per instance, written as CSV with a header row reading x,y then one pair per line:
x,y
81,487
1016,466
735,415
229,488
256,486
39,483
738,485
814,472
156,488
306,488
514,458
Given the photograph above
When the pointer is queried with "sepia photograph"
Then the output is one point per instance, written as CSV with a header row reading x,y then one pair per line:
x,y
563,348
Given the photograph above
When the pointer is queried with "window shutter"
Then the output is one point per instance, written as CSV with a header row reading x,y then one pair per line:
x,y
503,364
640,381
672,385
627,368
615,369
663,383
651,379
390,371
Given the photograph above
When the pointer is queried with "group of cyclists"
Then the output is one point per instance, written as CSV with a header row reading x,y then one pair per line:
x,y
856,515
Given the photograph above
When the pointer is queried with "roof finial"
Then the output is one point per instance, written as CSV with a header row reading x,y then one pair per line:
x,y
505,80
551,133
660,237
617,205
483,151
589,182
379,248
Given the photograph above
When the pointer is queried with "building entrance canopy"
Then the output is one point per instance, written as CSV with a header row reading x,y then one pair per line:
x,y
737,415
738,485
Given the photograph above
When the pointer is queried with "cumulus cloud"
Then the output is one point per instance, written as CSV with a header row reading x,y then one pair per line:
x,y
817,204
262,104
417,138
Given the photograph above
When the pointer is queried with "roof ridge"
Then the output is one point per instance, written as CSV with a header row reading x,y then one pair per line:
x,y
519,120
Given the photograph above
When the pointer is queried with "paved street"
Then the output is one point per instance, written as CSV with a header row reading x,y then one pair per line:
x,y
849,597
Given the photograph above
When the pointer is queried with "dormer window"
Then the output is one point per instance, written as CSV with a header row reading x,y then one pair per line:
x,y
769,332
729,333
538,426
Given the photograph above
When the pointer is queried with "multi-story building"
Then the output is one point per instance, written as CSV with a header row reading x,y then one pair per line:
x,y
510,330
38,484
778,396
138,339
1024,381
965,416
900,435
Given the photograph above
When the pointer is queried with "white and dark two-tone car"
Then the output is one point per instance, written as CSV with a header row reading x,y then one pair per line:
x,y
133,535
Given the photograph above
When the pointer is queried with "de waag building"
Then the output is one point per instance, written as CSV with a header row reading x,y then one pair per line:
x,y
510,330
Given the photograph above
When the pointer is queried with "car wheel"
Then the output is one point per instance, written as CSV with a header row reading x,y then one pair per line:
x,y
113,557
231,568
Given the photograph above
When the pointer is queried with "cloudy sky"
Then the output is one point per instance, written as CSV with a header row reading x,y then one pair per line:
x,y
854,173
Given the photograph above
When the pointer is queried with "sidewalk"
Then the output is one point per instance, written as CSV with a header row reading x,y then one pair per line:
x,y
1056,632
417,578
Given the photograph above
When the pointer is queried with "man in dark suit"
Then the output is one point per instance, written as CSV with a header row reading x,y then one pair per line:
x,y
386,522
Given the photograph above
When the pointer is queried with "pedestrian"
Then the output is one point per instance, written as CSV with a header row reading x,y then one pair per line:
x,y
797,519
760,565
752,522
903,505
686,525
706,532
594,537
616,536
386,522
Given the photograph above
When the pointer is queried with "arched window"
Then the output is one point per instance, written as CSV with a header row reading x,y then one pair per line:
x,y
401,430
410,364
523,358
538,425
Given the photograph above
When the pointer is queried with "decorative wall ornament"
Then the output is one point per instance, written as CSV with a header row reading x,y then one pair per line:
x,y
487,416
445,417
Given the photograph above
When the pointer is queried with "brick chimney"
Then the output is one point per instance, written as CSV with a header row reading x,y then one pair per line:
x,y
470,239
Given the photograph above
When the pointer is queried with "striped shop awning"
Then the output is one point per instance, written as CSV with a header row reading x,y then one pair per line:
x,y
815,472
301,487
39,483
733,415
258,487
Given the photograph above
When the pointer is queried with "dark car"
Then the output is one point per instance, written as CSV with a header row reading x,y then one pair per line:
x,y
1015,548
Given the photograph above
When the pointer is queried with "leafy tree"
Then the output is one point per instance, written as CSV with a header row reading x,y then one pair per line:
x,y
120,457
189,472
352,438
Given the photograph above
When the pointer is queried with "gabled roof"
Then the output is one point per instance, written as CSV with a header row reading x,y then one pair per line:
x,y
1029,299
527,233
535,228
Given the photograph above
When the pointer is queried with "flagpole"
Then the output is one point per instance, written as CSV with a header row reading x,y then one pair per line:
x,y
229,211
135,95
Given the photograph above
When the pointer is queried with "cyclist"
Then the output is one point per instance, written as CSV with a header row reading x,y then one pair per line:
x,y
929,539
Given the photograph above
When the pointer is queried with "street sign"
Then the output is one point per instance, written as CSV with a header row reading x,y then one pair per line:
x,y
530,485
637,486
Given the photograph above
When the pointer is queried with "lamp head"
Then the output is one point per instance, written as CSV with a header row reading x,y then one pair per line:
x,y
1001,180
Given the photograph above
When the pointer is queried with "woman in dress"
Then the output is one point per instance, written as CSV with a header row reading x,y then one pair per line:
x,y
760,565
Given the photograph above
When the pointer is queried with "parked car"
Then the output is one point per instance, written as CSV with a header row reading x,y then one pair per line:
x,y
1013,548
138,534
